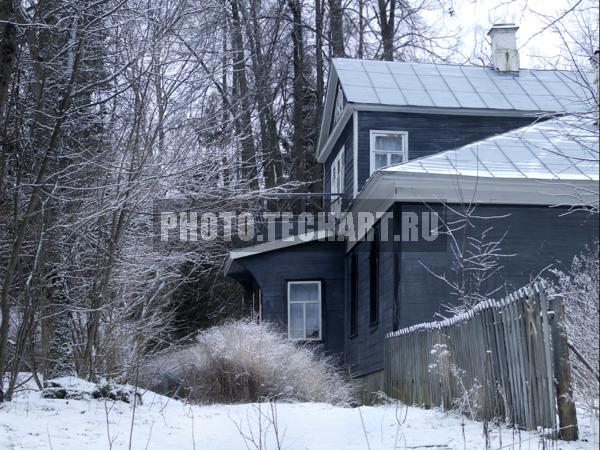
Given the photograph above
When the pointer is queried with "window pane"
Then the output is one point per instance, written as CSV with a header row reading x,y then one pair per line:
x,y
388,143
380,160
395,158
296,334
312,320
337,173
304,292
296,320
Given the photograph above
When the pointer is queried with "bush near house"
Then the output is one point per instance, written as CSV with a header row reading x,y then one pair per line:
x,y
243,361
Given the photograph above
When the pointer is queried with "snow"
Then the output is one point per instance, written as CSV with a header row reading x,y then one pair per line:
x,y
447,86
75,383
563,149
31,422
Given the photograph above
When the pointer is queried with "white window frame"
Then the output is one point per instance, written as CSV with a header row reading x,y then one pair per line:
x,y
372,151
320,302
337,184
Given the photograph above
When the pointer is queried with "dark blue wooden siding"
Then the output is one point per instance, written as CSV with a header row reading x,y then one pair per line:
x,y
429,133
322,261
346,139
539,236
364,351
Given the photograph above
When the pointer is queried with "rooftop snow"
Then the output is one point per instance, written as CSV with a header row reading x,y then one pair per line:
x,y
557,149
448,86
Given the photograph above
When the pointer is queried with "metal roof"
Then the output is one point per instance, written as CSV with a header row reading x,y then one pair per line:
x,y
459,86
563,148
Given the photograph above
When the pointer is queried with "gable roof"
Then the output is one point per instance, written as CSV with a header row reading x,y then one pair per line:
x,y
450,89
564,149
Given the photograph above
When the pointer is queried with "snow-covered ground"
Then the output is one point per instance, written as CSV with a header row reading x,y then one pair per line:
x,y
31,422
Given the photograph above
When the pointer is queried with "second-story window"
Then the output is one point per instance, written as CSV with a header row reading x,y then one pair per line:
x,y
388,148
337,180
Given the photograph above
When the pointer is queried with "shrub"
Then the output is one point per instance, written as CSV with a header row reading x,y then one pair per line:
x,y
243,361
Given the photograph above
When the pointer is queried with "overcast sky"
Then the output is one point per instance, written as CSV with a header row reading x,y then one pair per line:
x,y
477,16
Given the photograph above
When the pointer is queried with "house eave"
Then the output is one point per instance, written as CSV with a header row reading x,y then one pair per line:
x,y
488,190
324,134
384,189
325,150
462,111
233,255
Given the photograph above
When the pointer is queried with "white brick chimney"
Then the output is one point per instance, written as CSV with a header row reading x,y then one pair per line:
x,y
505,56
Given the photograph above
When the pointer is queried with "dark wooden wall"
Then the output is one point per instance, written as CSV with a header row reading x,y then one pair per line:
x,y
346,139
322,261
410,294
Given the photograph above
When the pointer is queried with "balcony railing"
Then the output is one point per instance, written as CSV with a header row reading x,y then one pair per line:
x,y
298,202
268,220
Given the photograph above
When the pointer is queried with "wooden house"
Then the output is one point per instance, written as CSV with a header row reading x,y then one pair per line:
x,y
514,147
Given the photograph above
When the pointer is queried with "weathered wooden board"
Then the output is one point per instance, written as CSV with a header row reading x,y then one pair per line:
x,y
494,361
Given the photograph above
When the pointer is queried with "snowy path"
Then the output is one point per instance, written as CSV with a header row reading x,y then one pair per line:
x,y
30,422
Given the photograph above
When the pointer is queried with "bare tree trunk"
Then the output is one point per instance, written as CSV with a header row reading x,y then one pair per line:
x,y
361,29
59,360
8,50
319,61
336,28
93,325
262,70
249,171
298,90
387,24
225,103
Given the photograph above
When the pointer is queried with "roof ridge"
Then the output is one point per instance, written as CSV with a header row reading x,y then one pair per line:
x,y
530,69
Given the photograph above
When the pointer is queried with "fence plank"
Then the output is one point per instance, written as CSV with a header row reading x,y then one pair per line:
x,y
548,358
502,346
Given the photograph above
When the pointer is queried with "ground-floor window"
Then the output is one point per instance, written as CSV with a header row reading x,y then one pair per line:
x,y
304,310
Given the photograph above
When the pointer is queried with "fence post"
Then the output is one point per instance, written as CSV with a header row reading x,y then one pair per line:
x,y
546,340
567,416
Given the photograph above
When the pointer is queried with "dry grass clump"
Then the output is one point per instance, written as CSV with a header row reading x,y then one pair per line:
x,y
243,361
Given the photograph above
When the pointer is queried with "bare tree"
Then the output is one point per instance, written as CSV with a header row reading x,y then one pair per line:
x,y
105,107
475,255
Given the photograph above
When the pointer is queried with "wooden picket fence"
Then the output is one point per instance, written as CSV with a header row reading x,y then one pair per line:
x,y
505,359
